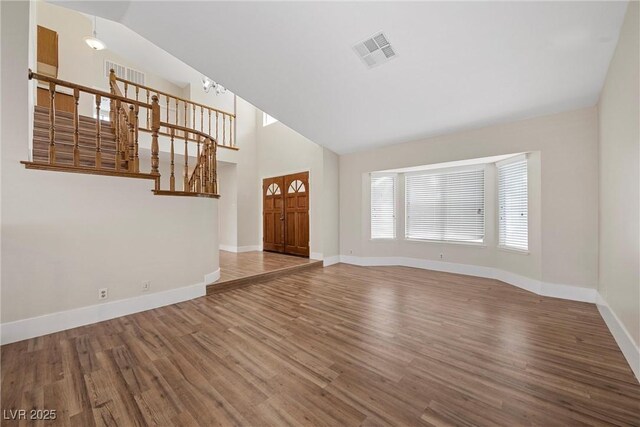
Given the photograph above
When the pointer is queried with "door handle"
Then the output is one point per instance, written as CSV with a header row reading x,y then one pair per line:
x,y
282,218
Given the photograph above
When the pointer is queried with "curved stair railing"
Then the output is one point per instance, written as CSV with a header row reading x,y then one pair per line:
x,y
69,142
179,111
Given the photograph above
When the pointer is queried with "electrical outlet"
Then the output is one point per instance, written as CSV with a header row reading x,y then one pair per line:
x,y
103,293
350,251
441,256
146,286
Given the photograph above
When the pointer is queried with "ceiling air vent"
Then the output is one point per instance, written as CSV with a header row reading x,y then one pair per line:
x,y
375,50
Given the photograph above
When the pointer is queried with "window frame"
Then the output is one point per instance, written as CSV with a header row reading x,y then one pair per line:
x,y
501,246
394,176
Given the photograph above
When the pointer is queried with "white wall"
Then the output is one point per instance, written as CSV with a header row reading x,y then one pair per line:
x,y
563,210
66,235
331,204
619,275
228,205
249,185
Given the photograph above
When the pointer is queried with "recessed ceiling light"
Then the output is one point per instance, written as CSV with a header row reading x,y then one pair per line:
x,y
375,50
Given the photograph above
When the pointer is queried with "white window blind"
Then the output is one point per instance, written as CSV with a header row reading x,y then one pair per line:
x,y
512,204
383,206
447,206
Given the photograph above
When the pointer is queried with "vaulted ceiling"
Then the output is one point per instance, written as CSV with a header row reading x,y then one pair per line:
x,y
460,64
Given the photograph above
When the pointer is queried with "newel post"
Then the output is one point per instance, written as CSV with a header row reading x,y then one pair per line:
x,y
155,128
131,139
112,105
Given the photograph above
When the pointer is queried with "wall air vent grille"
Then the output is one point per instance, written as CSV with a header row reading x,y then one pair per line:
x,y
123,72
375,50
119,69
135,76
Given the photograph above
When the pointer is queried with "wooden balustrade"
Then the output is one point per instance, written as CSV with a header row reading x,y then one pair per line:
x,y
119,135
190,110
200,180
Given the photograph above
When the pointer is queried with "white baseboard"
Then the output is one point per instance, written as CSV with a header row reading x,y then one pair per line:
x,y
212,277
622,336
63,320
574,293
316,255
330,260
238,249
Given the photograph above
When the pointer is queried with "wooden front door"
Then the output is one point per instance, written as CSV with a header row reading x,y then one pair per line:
x,y
286,198
273,214
296,214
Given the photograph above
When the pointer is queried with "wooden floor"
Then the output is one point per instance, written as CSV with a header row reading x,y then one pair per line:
x,y
239,265
339,346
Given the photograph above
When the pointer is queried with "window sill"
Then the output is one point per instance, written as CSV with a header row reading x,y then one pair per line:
x,y
382,239
513,250
448,242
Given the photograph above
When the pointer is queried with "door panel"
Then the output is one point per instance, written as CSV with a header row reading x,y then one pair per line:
x,y
273,214
297,214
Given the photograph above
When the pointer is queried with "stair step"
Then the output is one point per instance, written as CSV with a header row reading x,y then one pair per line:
x,y
43,112
241,282
66,158
68,126
83,139
66,148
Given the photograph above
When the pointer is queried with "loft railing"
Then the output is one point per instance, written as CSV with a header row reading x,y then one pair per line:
x,y
198,180
180,112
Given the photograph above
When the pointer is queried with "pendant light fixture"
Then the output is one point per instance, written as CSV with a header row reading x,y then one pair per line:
x,y
93,41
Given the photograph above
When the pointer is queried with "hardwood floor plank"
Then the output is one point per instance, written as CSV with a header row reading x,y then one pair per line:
x,y
343,345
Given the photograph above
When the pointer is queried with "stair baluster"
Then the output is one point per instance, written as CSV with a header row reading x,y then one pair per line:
x,y
217,126
185,114
98,136
115,123
52,123
136,160
172,178
76,132
131,149
224,130
186,161
176,118
148,115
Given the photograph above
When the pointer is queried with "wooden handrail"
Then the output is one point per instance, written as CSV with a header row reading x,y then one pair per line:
x,y
159,92
188,130
81,88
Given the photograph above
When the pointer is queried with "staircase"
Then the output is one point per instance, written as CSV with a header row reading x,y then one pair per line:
x,y
70,142
64,140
